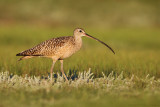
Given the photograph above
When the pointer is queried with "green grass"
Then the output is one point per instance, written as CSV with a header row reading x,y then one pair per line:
x,y
137,53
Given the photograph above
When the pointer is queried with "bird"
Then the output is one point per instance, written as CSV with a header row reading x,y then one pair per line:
x,y
59,48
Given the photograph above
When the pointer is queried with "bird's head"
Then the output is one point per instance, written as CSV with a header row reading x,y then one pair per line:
x,y
80,32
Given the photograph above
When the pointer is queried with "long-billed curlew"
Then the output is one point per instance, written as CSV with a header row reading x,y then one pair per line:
x,y
59,48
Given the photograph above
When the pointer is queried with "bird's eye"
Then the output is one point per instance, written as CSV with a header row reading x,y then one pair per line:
x,y
80,31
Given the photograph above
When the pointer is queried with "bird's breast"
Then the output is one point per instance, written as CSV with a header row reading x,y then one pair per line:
x,y
70,49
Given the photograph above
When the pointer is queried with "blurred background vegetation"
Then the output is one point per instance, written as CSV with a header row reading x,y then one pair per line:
x,y
130,27
71,13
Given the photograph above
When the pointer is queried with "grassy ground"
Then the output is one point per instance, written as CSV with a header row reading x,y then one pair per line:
x,y
84,91
137,53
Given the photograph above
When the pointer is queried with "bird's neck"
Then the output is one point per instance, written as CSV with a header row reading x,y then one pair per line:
x,y
78,40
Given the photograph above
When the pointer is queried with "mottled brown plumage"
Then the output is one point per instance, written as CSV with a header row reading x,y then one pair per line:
x,y
58,48
50,48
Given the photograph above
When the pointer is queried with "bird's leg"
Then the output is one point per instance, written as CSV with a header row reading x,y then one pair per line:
x,y
51,72
63,70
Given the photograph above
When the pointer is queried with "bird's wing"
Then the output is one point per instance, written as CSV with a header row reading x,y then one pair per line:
x,y
47,47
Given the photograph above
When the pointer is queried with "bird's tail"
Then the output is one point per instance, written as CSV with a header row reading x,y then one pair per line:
x,y
21,54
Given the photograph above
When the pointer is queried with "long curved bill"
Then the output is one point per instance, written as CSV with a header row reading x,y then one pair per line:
x,y
89,36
